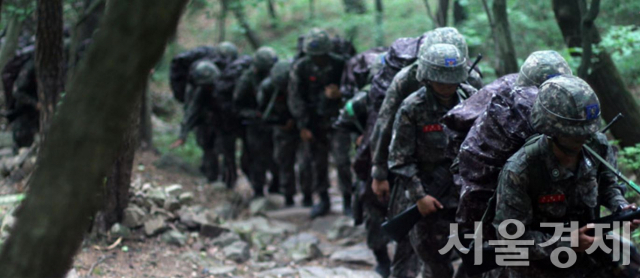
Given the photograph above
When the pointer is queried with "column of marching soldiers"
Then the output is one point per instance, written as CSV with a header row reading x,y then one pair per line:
x,y
417,127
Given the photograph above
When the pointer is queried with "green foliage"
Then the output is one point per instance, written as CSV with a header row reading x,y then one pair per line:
x,y
623,43
189,152
629,158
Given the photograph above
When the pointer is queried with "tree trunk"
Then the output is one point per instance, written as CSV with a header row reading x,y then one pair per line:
x,y
252,37
272,14
49,59
83,30
602,75
222,20
11,39
353,7
441,16
312,9
507,55
379,23
459,13
85,135
146,131
430,13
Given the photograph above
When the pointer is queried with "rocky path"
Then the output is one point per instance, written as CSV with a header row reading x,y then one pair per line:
x,y
177,225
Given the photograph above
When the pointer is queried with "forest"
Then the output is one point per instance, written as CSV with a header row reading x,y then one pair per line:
x,y
101,176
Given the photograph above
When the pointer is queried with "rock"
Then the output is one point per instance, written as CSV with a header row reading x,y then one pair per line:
x,y
219,186
196,216
342,228
315,272
212,231
302,247
219,270
268,203
226,211
174,237
154,226
118,230
5,152
171,204
278,272
173,190
7,224
261,231
263,265
157,195
6,139
225,239
72,274
186,198
358,254
134,216
237,251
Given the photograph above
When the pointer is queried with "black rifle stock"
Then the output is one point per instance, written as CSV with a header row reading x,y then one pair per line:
x,y
400,225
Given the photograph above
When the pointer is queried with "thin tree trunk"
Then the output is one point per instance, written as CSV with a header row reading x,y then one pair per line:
x,y
441,16
602,75
379,23
49,59
222,20
353,7
430,13
272,14
459,13
507,62
146,129
85,135
11,40
312,9
252,37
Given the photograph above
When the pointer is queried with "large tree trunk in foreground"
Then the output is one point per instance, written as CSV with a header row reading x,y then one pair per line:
x,y
49,59
602,75
85,135
83,31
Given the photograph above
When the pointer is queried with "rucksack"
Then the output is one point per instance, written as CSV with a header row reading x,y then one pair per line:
x,y
356,72
341,47
12,70
181,64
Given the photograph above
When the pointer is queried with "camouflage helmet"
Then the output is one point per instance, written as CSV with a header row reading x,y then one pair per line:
x,y
204,72
264,58
317,42
566,106
447,35
228,50
280,73
442,63
540,66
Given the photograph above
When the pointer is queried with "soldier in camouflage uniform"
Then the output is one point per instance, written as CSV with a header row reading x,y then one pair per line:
x,y
199,114
258,134
416,153
554,179
25,118
314,99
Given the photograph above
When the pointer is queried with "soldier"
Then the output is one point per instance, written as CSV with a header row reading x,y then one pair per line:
x,y
228,52
416,154
25,116
258,135
199,114
314,99
556,165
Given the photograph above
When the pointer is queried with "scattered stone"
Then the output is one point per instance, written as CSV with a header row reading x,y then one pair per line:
x,y
6,139
185,198
237,251
212,231
322,225
7,224
278,272
174,237
219,270
72,274
263,265
302,246
154,226
173,190
195,216
358,254
268,203
134,216
261,231
342,228
226,211
219,186
4,152
171,204
157,195
225,239
118,230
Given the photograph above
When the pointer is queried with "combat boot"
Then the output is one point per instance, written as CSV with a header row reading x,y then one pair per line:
x,y
288,201
346,205
384,263
307,201
322,208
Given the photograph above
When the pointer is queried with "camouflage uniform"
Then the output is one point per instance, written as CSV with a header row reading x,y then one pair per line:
x,y
416,154
26,120
312,110
259,135
199,113
566,106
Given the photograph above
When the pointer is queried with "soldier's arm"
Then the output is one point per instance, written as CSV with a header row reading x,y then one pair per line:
x,y
383,129
296,99
242,98
26,86
513,202
611,192
192,110
402,153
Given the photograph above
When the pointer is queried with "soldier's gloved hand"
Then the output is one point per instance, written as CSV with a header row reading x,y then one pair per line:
x,y
177,143
428,205
584,241
381,189
306,135
636,222
332,91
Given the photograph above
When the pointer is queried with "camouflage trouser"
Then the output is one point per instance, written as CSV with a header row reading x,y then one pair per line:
x,y
226,143
340,151
428,236
374,217
24,129
286,146
260,147
206,138
405,263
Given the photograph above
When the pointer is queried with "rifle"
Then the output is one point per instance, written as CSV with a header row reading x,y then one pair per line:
x,y
475,63
400,225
